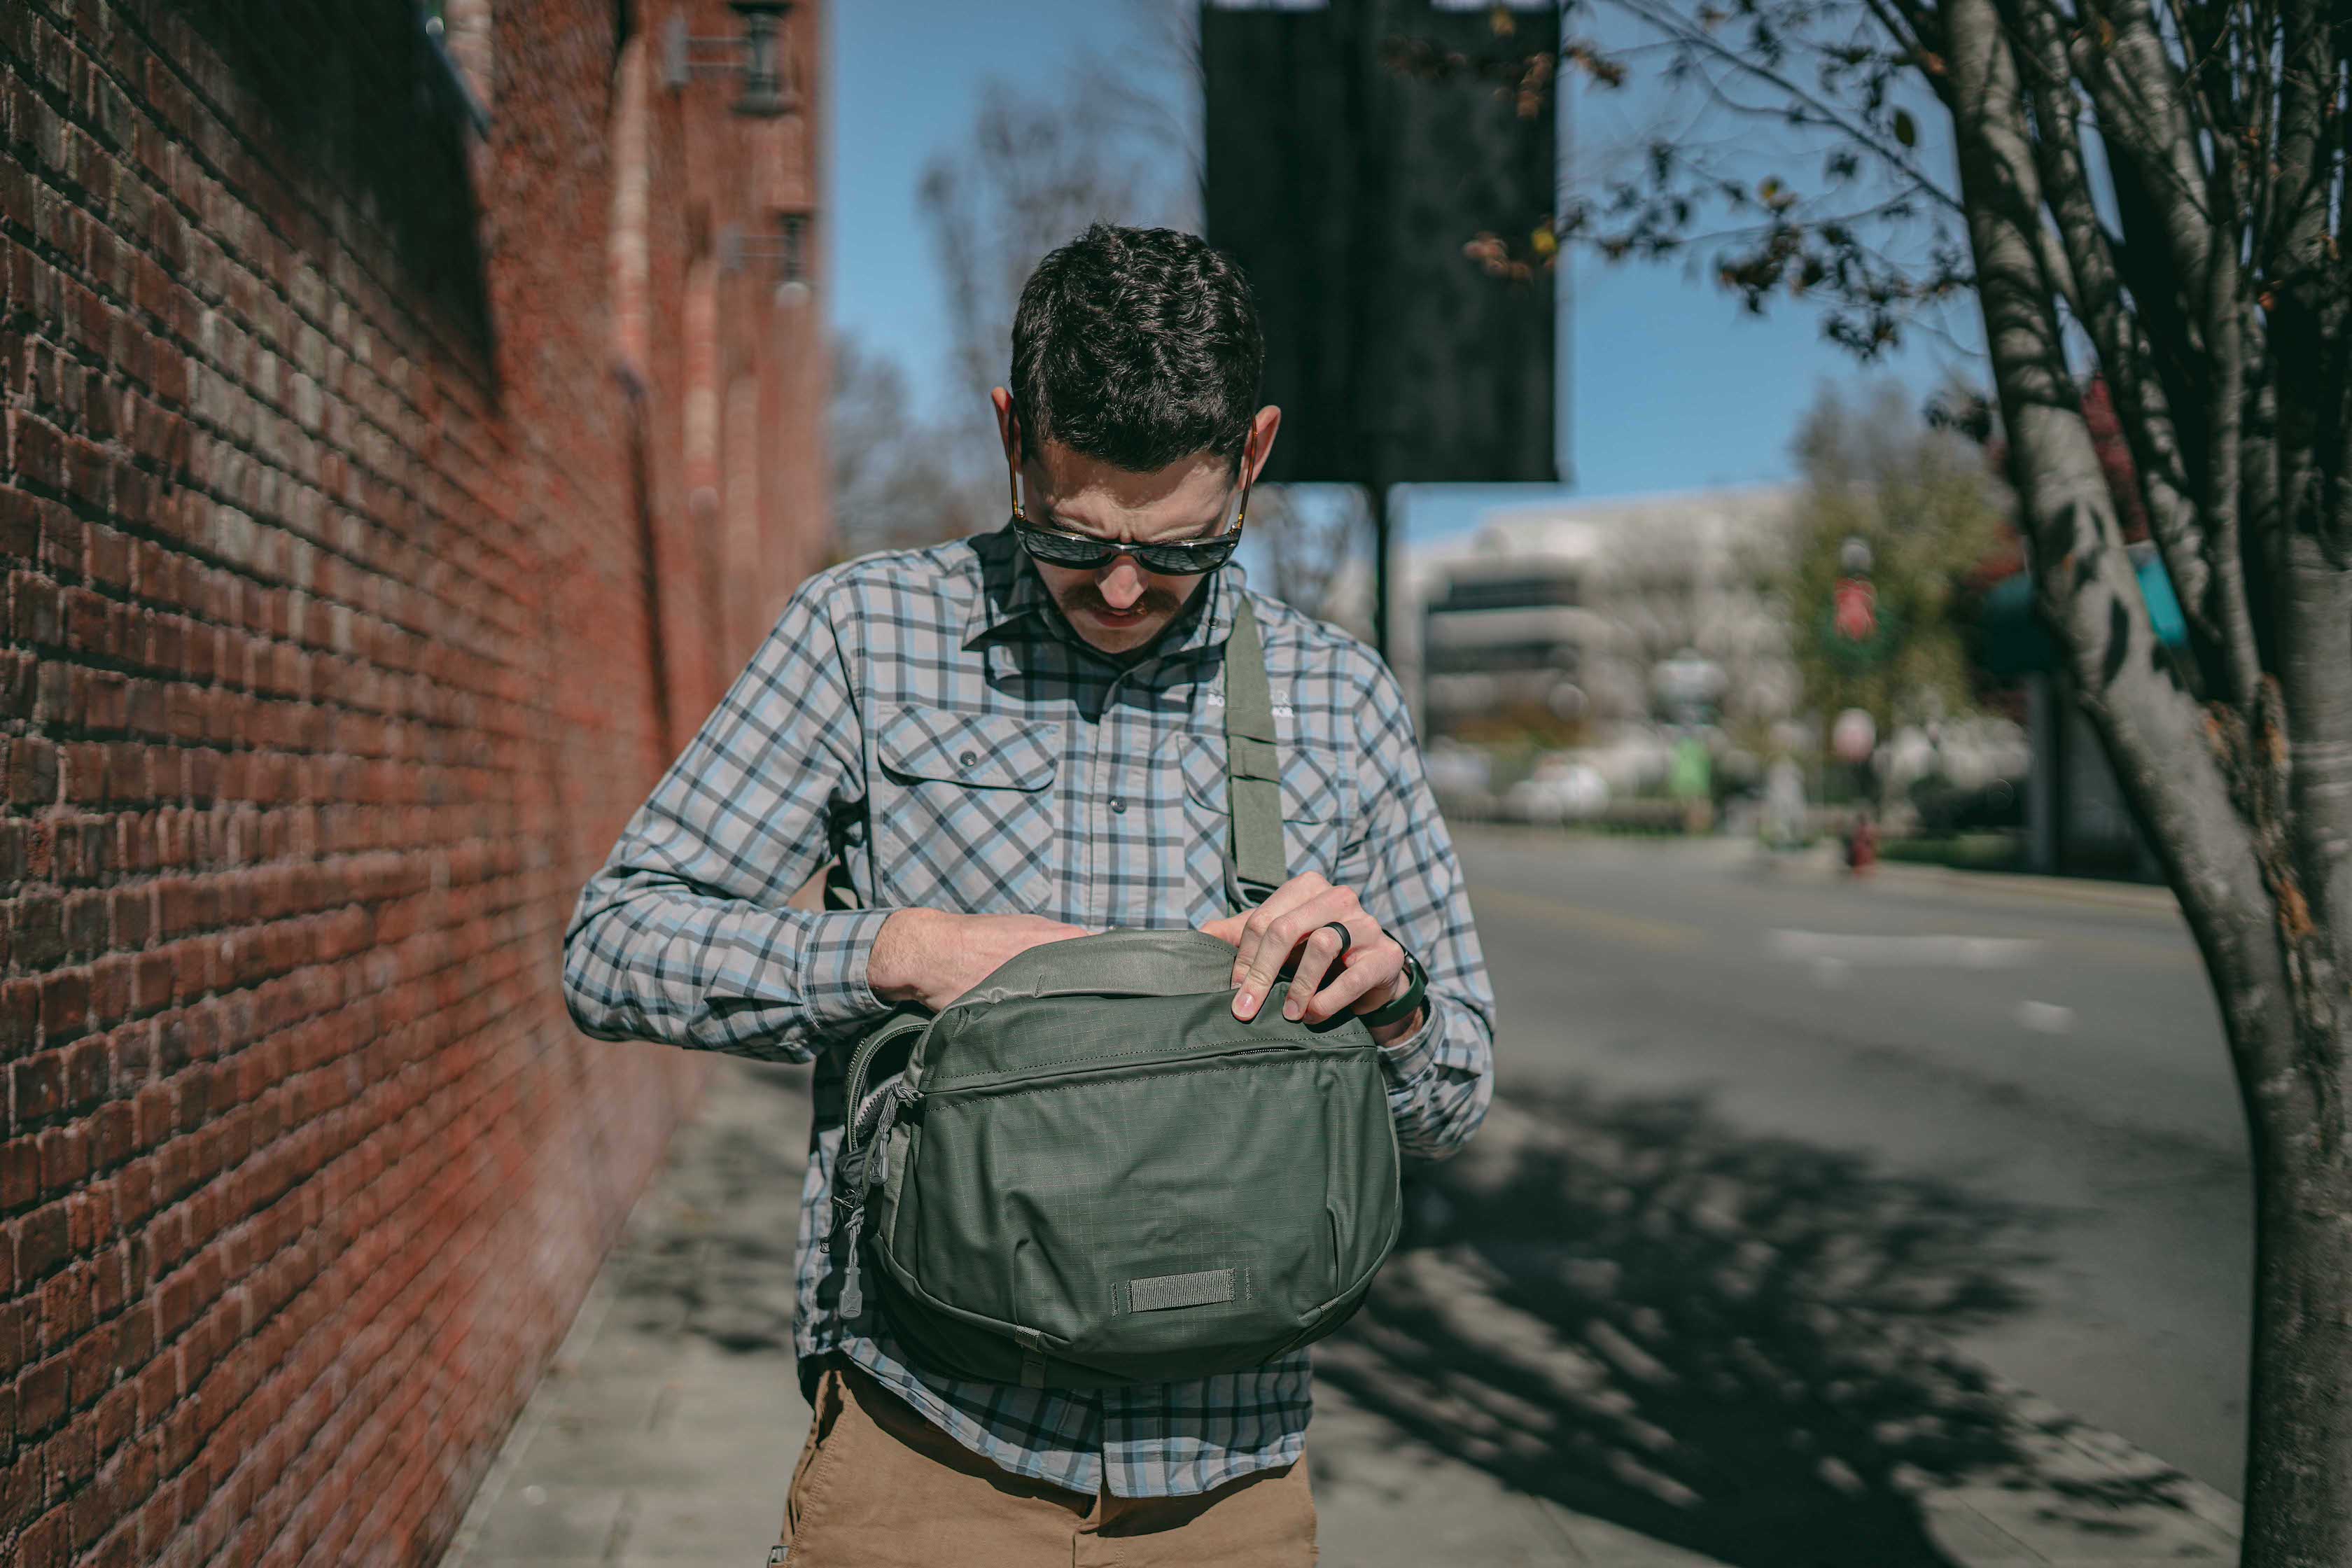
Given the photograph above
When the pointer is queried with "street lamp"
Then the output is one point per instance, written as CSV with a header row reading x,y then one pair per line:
x,y
785,250
771,87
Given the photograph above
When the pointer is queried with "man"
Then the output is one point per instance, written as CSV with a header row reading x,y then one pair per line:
x,y
1011,739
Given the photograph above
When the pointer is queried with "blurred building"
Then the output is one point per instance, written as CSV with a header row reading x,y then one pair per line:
x,y
1586,613
411,423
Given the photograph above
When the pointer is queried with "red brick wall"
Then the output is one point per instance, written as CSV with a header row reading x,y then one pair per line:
x,y
332,665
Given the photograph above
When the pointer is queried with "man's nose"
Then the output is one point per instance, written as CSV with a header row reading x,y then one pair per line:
x,y
1121,582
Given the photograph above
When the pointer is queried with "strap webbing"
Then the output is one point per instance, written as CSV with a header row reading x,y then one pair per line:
x,y
1253,766
1164,1292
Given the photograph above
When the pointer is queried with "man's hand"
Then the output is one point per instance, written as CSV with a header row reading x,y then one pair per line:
x,y
1370,971
933,957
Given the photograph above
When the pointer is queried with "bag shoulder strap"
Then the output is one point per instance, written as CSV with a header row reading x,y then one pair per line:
x,y
1256,864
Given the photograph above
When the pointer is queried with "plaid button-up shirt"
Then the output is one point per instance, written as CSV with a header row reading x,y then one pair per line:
x,y
930,719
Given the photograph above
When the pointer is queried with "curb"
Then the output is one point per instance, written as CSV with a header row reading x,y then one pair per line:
x,y
2071,890
1821,864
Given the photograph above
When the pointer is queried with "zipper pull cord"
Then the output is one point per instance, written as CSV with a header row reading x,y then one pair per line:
x,y
873,1170
853,1296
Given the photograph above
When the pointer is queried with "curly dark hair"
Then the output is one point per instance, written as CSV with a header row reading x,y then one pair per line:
x,y
1138,346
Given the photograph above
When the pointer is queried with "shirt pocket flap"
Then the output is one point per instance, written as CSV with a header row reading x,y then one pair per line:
x,y
1311,778
985,751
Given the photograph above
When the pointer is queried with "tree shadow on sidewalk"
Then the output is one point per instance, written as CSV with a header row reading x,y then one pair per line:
x,y
1729,1343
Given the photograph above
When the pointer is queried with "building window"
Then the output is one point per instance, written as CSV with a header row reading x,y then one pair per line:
x,y
1508,593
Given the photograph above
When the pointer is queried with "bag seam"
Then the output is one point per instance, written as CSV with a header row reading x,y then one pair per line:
x,y
1148,1076
1108,1057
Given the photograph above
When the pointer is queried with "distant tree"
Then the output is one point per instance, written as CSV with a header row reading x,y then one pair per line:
x,y
898,480
1029,174
1922,502
1310,534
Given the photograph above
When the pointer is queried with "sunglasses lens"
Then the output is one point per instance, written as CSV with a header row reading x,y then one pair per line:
x,y
1058,550
1085,554
1185,560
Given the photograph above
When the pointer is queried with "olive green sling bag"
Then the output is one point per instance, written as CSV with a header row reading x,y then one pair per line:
x,y
1090,1174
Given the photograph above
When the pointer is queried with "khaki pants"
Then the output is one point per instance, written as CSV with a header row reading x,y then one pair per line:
x,y
877,1485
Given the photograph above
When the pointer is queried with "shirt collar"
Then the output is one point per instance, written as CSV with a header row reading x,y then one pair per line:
x,y
1011,590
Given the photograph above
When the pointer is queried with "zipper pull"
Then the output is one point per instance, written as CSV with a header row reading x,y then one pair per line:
x,y
852,1297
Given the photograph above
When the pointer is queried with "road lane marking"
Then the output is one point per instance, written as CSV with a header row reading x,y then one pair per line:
x,y
1824,948
2046,1017
2179,957
1665,936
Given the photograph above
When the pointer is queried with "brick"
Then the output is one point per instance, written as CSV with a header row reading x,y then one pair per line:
x,y
64,1157
32,769
41,1238
36,452
20,1015
64,1004
34,615
40,1086
20,1172
47,1543
37,921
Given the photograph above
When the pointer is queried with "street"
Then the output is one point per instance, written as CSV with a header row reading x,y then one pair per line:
x,y
1791,1241
2058,1063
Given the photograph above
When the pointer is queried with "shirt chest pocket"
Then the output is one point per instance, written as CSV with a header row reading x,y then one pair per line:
x,y
1314,809
962,810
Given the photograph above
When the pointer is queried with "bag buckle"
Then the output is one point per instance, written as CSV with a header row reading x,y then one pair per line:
x,y
1240,893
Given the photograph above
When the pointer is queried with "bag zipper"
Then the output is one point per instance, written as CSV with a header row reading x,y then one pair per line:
x,y
1220,1052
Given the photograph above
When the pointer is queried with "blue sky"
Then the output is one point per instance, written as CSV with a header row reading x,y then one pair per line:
x,y
1670,385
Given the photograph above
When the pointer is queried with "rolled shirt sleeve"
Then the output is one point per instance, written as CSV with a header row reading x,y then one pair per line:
x,y
683,935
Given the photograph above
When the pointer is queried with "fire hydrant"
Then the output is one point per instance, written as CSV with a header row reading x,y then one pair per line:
x,y
1862,846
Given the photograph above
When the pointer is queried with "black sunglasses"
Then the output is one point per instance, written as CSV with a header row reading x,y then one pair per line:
x,y
1083,552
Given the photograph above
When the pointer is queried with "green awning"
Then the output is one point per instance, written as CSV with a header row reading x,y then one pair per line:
x,y
2014,642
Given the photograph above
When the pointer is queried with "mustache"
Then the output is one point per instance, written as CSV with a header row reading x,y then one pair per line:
x,y
1087,596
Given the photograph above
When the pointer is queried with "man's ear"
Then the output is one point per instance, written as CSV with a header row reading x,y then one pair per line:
x,y
1008,424
1008,431
1263,428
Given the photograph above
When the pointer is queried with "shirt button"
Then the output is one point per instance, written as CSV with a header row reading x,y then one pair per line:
x,y
967,759
1118,805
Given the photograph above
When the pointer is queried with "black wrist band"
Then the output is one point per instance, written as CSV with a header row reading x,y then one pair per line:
x,y
1416,987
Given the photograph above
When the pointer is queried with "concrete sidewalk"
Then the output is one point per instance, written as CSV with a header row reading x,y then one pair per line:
x,y
1615,1342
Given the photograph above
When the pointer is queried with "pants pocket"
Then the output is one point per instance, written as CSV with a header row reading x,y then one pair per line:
x,y
812,1474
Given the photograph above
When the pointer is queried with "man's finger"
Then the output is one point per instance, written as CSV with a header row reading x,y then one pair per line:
x,y
1320,951
1254,922
1260,953
1371,972
1226,929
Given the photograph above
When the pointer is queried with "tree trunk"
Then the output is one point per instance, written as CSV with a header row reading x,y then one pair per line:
x,y
2299,1454
2213,788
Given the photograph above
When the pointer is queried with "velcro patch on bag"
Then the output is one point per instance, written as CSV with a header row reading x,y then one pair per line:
x,y
1162,1291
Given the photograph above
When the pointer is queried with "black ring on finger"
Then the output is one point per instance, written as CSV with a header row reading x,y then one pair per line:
x,y
1345,940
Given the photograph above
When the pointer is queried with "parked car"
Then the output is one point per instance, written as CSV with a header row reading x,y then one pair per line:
x,y
1558,792
1945,807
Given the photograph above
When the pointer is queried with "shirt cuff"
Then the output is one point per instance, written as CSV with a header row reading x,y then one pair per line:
x,y
834,986
1416,1055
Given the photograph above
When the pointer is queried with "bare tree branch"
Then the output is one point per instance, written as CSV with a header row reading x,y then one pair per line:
x,y
1699,39
2087,584
2123,350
